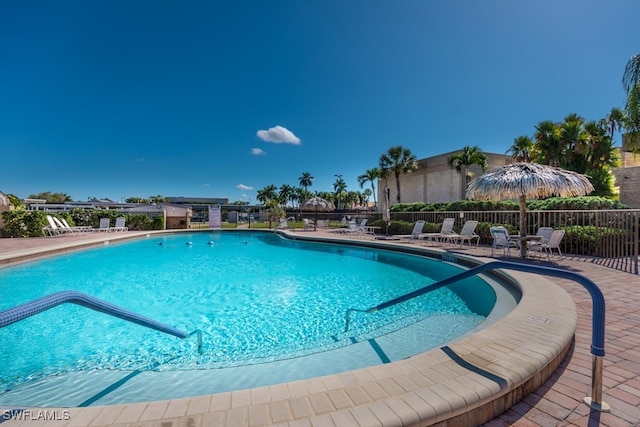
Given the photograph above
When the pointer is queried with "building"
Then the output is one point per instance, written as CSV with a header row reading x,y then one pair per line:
x,y
435,181
628,176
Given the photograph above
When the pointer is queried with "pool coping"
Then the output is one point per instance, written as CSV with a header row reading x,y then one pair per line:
x,y
470,381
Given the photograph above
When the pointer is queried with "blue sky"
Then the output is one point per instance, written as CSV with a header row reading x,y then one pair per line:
x,y
221,98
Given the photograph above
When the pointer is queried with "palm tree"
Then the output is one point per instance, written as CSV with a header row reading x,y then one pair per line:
x,y
340,190
287,193
371,175
615,120
547,140
305,180
398,160
464,159
267,194
522,150
631,85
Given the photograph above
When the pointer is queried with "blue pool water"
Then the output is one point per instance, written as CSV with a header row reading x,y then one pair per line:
x,y
256,297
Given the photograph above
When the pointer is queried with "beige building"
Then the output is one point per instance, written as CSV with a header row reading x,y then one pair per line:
x,y
434,181
627,177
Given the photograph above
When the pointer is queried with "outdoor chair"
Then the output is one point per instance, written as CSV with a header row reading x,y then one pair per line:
x,y
551,244
308,224
468,233
416,233
501,240
104,225
445,230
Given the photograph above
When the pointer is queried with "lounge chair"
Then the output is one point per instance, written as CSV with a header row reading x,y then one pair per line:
x,y
308,224
501,240
468,233
78,228
356,230
52,229
416,233
120,221
104,225
284,223
445,230
64,228
551,244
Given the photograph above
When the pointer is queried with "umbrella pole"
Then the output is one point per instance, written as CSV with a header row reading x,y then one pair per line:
x,y
315,219
523,226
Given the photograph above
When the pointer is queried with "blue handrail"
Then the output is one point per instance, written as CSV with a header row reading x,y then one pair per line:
x,y
598,312
34,307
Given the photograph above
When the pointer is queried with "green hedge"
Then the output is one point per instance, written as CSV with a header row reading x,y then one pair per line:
x,y
553,203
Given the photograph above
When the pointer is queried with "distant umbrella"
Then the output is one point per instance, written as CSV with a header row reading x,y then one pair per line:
x,y
317,204
524,181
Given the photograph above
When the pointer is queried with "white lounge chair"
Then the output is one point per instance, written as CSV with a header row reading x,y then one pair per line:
x,y
308,224
467,234
445,230
104,225
416,233
78,228
284,223
52,229
119,225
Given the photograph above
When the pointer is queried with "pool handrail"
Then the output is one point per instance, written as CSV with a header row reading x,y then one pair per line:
x,y
598,312
47,302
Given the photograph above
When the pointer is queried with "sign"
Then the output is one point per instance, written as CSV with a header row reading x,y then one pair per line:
x,y
215,216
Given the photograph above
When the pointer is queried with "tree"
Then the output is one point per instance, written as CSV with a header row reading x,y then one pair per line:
x,y
267,194
287,193
398,160
523,149
305,180
371,175
340,190
52,197
464,159
616,120
631,85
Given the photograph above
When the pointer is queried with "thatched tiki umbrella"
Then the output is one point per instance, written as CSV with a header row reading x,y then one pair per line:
x,y
522,181
317,204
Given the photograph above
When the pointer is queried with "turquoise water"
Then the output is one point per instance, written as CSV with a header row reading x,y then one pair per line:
x,y
255,296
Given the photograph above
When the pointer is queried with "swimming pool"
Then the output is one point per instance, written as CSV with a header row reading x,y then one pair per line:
x,y
257,298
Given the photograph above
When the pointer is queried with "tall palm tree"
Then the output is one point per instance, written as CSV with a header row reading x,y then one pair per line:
x,y
615,121
398,160
371,175
547,138
464,159
631,85
340,190
522,150
305,180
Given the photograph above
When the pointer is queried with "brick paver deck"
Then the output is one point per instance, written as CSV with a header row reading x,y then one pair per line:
x,y
558,402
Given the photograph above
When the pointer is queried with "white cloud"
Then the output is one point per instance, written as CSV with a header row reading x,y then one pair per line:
x,y
279,135
258,152
243,187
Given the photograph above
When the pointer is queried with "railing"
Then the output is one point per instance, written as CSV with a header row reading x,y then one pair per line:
x,y
612,237
598,313
34,307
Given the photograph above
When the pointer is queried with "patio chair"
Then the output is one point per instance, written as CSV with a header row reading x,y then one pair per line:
x,y
545,234
551,244
64,227
416,233
308,224
501,240
120,221
104,225
52,229
284,223
445,230
79,228
467,234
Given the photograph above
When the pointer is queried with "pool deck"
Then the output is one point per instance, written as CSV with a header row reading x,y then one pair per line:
x,y
408,391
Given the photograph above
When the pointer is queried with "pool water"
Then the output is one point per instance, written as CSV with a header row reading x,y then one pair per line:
x,y
255,296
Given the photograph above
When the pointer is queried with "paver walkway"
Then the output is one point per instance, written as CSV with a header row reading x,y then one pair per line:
x,y
559,401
